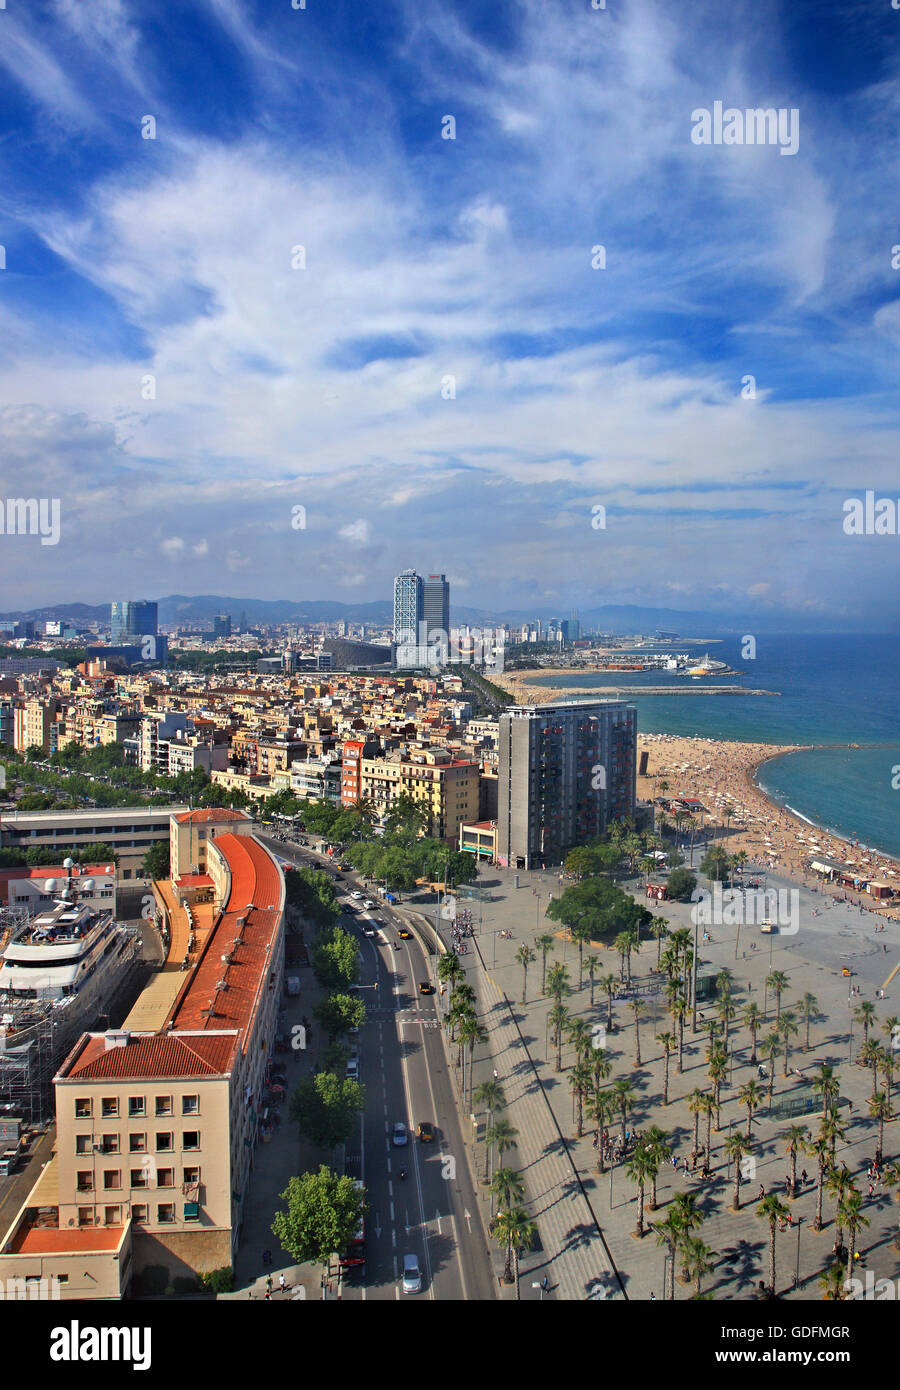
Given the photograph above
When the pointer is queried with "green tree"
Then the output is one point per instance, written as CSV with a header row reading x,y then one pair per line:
x,y
737,1146
680,884
795,1138
325,1107
155,863
558,982
698,1261
773,1210
865,1014
667,1042
544,944
508,1187
323,1214
524,956
750,1095
338,1013
809,1009
514,1230
777,982
558,1017
640,1169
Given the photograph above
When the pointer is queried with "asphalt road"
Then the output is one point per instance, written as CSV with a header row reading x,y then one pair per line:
x,y
432,1212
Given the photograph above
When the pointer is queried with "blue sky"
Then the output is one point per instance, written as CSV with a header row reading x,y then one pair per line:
x,y
437,266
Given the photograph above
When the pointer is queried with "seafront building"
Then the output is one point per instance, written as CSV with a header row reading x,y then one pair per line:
x,y
566,770
157,1122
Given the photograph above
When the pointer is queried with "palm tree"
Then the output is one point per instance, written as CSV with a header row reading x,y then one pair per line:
x,y
865,1014
752,1019
770,1047
624,1100
726,1011
450,968
471,1033
558,1017
515,1230
641,1167
624,944
581,934
696,1106
819,1149
558,982
878,1109
794,1137
773,1210
668,1233
737,1146
678,1008
609,984
832,1129
524,956
717,1059
826,1083
659,928
832,1281
600,1108
777,982
788,1028
490,1095
667,1041
508,1187
892,1179
544,944
601,1066
684,1209
501,1136
580,1085
870,1056
708,1107
638,1007
591,963
838,1182
809,1008
854,1219
655,1141
697,1259
750,1095
581,1037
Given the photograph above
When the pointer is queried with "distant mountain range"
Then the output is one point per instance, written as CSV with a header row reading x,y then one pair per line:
x,y
617,618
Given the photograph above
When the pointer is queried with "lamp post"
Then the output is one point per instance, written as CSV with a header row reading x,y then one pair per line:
x,y
797,1269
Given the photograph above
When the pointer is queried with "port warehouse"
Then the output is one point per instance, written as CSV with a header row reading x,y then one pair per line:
x,y
157,1122
130,832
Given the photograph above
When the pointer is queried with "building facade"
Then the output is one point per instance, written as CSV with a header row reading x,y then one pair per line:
x,y
565,771
130,619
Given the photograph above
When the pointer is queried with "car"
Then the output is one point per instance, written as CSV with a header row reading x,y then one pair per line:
x,y
368,930
412,1278
378,921
352,1068
425,1132
400,1134
347,868
404,934
368,904
354,1028
425,987
356,894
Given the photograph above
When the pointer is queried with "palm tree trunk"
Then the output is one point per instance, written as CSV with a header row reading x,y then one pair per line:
x,y
749,1121
753,1048
640,1219
817,1224
708,1129
737,1187
680,1043
772,1257
524,981
666,1080
637,1042
696,1148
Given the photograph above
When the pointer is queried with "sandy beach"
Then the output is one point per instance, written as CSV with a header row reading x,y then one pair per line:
x,y
720,775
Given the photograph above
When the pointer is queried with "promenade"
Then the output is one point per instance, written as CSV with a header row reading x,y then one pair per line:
x,y
586,1221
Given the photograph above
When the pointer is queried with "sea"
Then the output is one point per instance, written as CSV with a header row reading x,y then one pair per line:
x,y
833,691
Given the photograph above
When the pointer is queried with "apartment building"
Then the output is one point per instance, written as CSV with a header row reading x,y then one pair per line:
x,y
129,832
445,787
32,724
157,1129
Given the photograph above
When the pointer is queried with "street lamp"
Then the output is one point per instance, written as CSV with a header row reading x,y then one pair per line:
x,y
797,1270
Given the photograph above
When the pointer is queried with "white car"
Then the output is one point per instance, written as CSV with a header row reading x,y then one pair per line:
x,y
368,904
353,1066
401,1135
356,893
368,930
412,1278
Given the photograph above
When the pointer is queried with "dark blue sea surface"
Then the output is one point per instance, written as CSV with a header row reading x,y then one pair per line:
x,y
833,690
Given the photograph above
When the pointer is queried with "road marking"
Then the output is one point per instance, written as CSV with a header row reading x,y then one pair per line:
x,y
437,1217
392,1210
891,976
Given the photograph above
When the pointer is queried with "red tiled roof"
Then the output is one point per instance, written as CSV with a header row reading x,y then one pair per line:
x,y
194,881
255,880
212,814
152,1055
55,871
50,1240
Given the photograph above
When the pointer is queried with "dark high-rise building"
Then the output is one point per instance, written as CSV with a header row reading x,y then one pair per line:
x,y
436,605
222,625
131,619
566,770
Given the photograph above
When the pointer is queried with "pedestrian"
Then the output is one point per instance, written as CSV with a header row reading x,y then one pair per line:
x,y
803,1177
268,1283
652,1296
871,1188
762,1191
281,1283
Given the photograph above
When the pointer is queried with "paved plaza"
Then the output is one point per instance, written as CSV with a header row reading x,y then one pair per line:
x,y
586,1221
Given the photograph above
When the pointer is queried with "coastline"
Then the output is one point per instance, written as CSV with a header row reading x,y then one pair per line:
x,y
723,776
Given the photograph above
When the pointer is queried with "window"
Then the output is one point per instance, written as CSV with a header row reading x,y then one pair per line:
x,y
163,1105
109,1106
192,1175
85,1216
139,1213
165,1213
140,1177
109,1143
190,1105
137,1143
85,1181
191,1139
164,1143
83,1143
112,1216
191,1211
83,1109
136,1105
165,1177
112,1178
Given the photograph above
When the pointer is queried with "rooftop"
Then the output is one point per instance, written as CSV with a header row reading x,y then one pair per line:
x,y
151,1055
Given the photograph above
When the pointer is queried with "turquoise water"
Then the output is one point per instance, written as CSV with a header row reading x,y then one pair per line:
x,y
837,689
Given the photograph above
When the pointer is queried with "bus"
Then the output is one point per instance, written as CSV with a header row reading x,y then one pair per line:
x,y
355,1254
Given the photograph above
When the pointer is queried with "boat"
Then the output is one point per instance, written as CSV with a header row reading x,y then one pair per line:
x,y
60,970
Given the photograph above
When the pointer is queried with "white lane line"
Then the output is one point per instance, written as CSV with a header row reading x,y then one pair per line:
x,y
392,1210
404,1071
456,1247
362,1169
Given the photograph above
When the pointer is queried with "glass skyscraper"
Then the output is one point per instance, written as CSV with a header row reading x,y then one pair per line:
x,y
130,620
